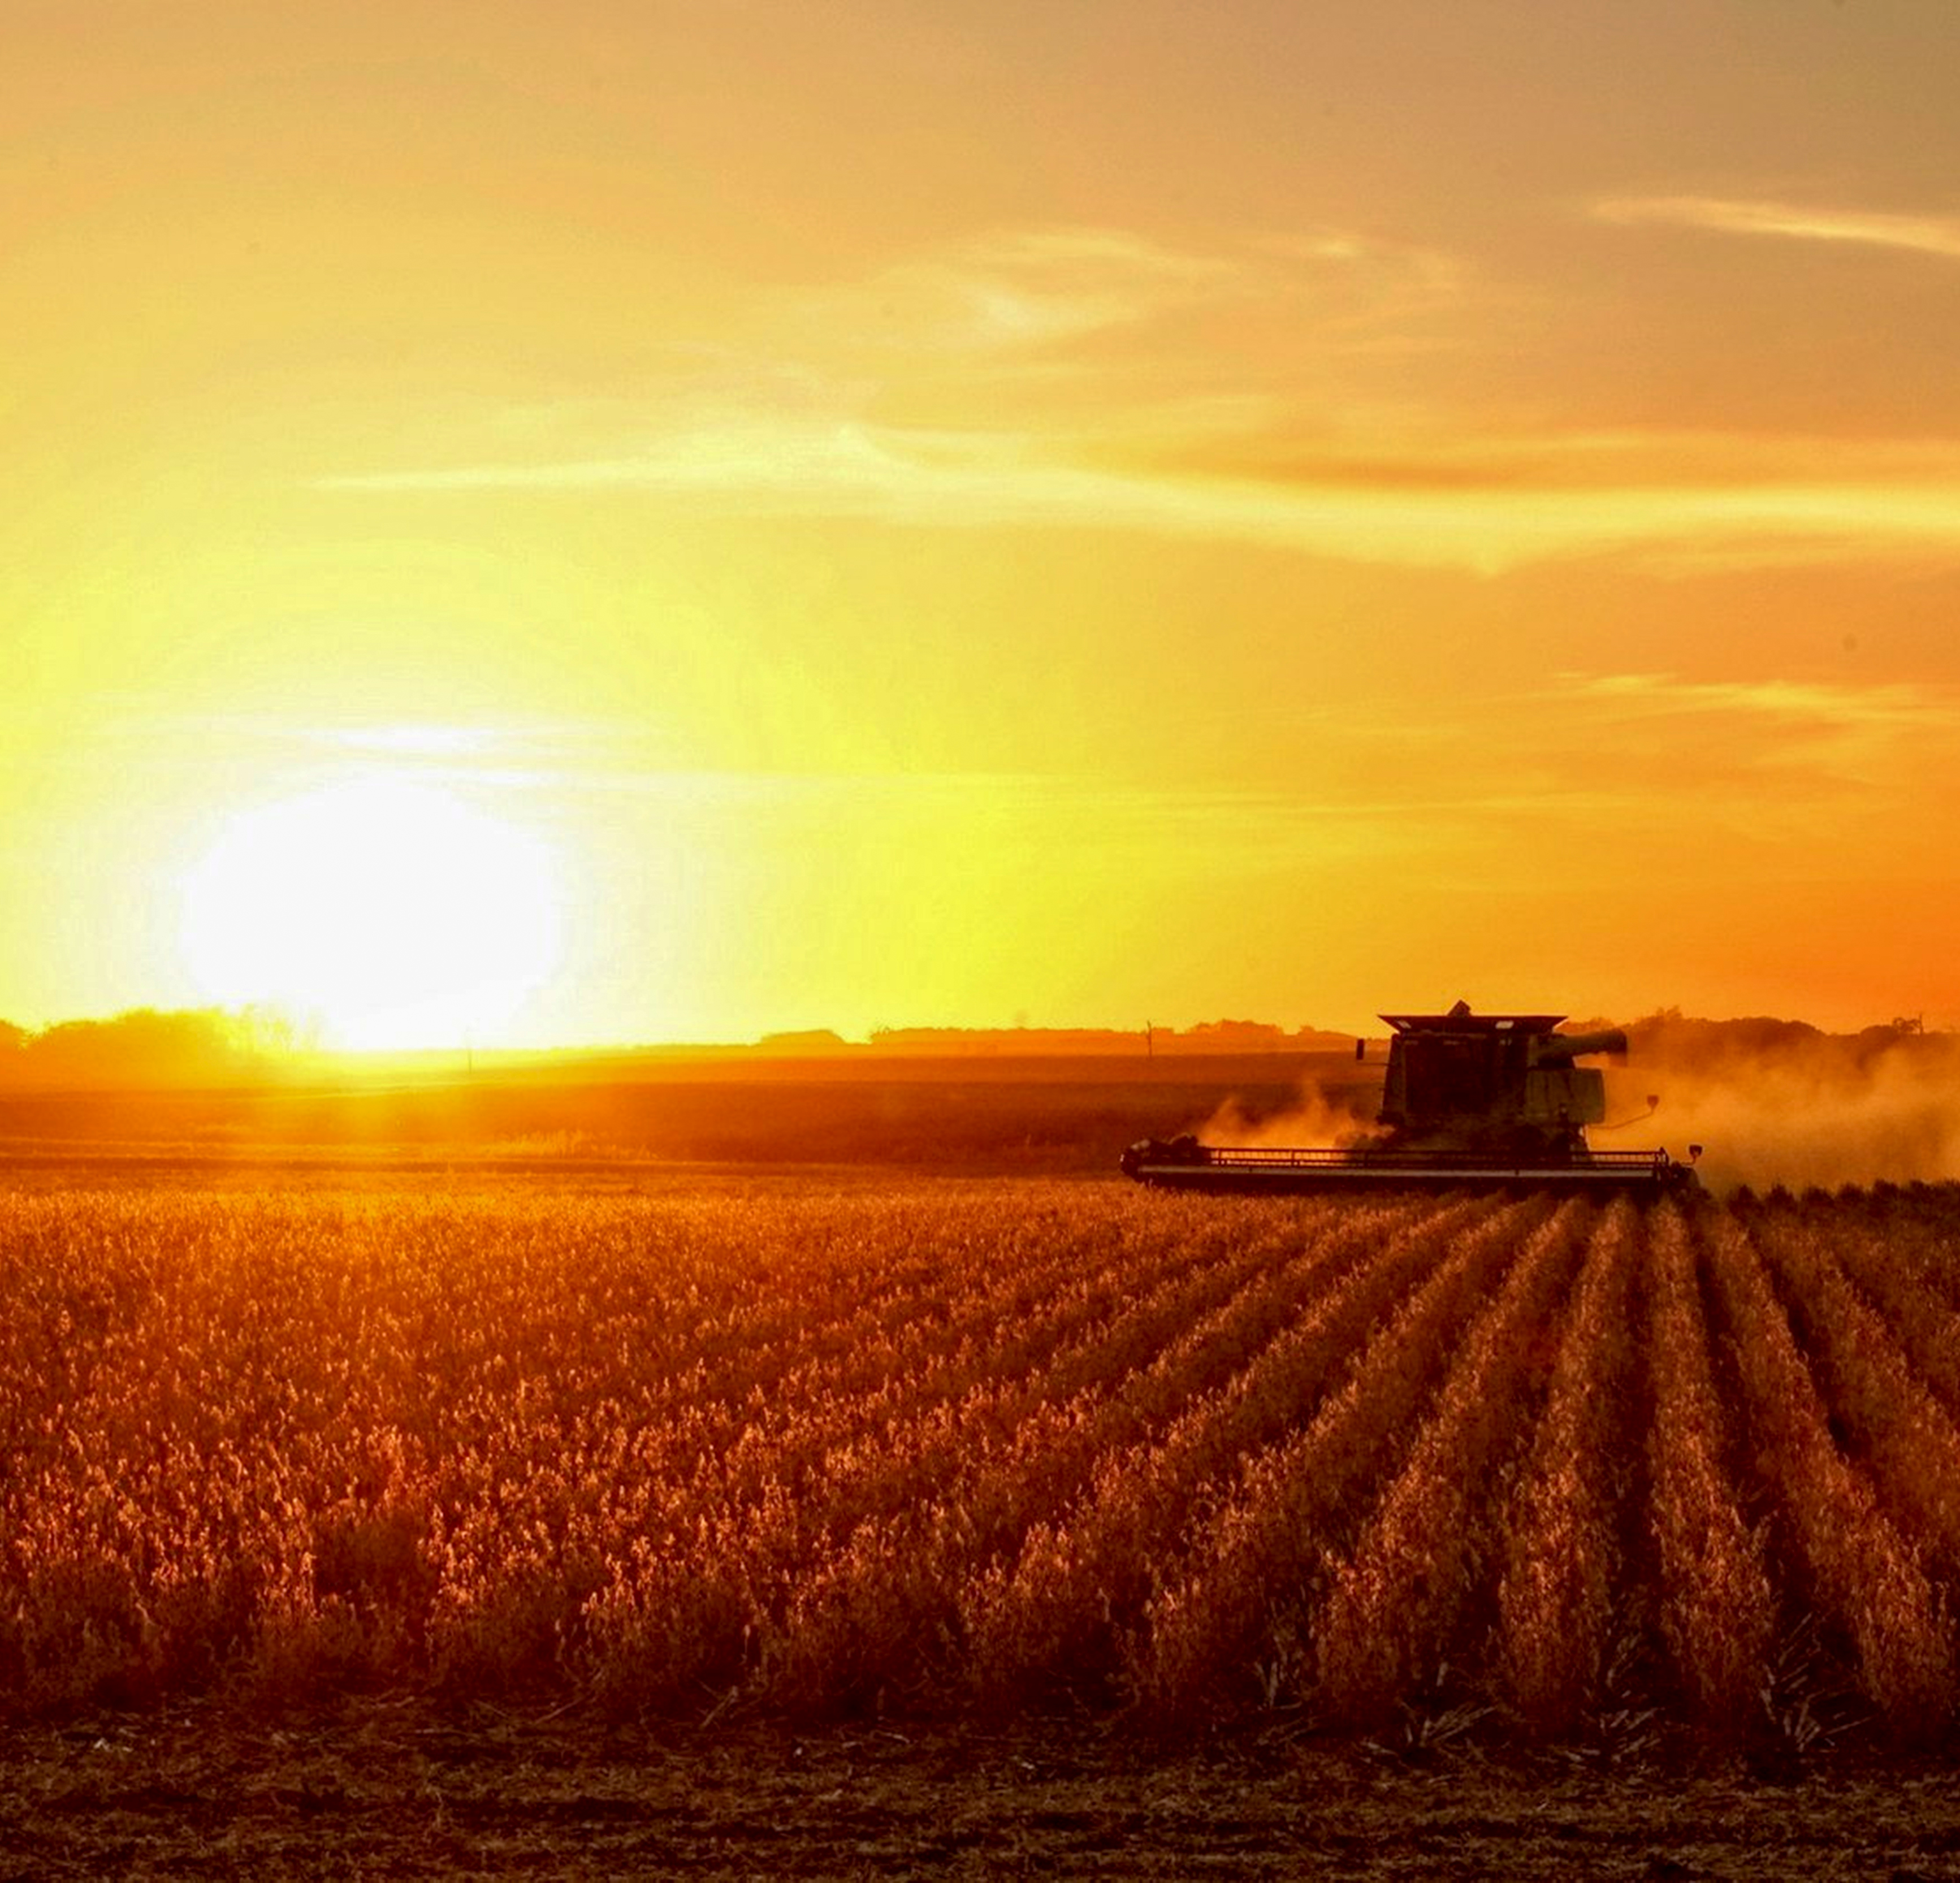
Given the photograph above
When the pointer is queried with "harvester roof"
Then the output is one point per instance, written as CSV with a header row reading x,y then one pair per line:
x,y
1460,1019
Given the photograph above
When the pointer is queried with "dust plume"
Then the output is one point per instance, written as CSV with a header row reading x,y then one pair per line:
x,y
1776,1102
1321,1118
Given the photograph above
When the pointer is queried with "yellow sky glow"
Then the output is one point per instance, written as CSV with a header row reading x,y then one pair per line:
x,y
668,521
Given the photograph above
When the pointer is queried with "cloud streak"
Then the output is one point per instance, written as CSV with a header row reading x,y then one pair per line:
x,y
977,479
1800,756
1014,289
1048,290
1850,708
1921,235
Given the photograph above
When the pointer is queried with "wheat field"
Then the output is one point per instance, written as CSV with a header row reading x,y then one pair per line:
x,y
1554,1470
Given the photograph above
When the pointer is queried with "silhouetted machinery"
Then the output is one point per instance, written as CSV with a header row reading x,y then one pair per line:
x,y
1469,1098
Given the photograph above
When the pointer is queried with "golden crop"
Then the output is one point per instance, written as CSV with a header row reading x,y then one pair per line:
x,y
970,1448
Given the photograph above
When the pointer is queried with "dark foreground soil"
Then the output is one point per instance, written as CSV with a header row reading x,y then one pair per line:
x,y
386,1791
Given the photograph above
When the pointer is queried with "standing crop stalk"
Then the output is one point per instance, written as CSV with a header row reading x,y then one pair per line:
x,y
1891,1271
1253,1561
1058,1611
867,1593
1716,1615
1904,1439
1863,1576
1555,1599
1392,1605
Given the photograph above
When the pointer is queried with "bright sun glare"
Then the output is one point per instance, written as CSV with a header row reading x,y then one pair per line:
x,y
391,912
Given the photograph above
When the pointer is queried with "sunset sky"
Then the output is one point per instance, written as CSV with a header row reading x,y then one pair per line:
x,y
661,521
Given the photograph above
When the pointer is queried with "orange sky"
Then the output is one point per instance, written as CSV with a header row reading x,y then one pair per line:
x,y
892,513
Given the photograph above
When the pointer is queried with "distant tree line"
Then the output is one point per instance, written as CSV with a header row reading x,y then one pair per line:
x,y
199,1046
1206,1036
1670,1037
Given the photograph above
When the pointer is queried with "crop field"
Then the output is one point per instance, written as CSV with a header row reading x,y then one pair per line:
x,y
1575,1473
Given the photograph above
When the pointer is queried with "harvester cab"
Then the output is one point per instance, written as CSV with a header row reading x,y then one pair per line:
x,y
1467,1100
1501,1081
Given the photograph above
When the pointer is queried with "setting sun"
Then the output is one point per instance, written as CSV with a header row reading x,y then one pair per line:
x,y
392,913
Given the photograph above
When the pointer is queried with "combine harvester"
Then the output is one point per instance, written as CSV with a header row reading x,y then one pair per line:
x,y
1471,1100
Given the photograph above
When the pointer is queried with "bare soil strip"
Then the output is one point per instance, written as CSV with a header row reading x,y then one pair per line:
x,y
388,1789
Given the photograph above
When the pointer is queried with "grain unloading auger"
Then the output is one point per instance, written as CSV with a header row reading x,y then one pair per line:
x,y
1469,1100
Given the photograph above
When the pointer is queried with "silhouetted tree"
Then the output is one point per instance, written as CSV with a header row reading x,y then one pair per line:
x,y
197,1046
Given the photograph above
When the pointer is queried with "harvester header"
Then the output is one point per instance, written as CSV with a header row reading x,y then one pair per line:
x,y
1468,1099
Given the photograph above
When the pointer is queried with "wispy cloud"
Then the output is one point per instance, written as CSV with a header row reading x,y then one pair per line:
x,y
1921,234
1045,289
1629,763
1012,290
979,479
1917,708
1784,747
1095,378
